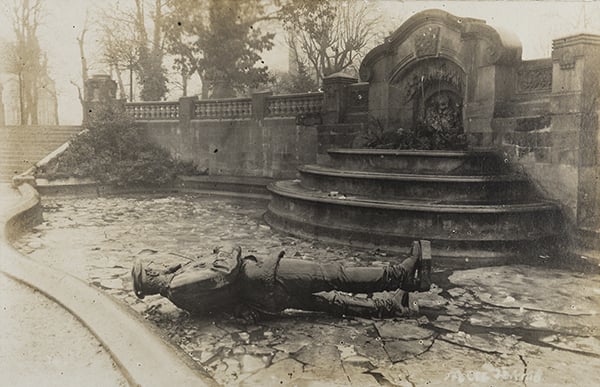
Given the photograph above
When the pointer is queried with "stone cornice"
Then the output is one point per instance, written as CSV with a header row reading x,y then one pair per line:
x,y
505,46
575,40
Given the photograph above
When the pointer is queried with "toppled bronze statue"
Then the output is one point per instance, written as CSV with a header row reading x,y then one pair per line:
x,y
267,287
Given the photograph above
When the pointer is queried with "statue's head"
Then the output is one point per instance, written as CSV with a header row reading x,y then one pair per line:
x,y
443,102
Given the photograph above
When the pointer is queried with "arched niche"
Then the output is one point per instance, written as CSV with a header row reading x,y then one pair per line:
x,y
425,88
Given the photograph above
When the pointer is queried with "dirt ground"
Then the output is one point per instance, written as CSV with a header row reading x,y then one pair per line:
x,y
44,345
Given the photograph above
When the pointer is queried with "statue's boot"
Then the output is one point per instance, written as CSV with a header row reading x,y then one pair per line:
x,y
415,271
380,305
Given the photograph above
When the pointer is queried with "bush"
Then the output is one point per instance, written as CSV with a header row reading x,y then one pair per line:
x,y
423,137
114,149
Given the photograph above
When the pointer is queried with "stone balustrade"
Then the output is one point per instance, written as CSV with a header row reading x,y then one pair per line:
x,y
291,105
287,105
150,111
223,109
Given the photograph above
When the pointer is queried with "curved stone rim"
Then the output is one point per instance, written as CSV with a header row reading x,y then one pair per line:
x,y
278,188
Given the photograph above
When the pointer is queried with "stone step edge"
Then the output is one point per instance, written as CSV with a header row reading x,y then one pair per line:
x,y
403,205
406,237
337,172
412,152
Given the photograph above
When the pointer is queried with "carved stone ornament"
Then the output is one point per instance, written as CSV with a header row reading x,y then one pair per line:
x,y
534,80
359,98
567,60
431,73
426,41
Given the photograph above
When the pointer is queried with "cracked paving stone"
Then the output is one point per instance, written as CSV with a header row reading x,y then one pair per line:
x,y
430,300
522,287
360,362
514,318
448,365
346,351
292,346
318,355
392,376
230,373
402,330
372,349
449,323
588,344
399,350
488,342
115,283
251,363
549,366
259,350
284,372
358,376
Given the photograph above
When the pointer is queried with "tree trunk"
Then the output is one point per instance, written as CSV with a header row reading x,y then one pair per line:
x,y
184,81
22,115
122,92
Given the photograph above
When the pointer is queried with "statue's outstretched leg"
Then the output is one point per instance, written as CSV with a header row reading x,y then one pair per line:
x,y
380,305
302,277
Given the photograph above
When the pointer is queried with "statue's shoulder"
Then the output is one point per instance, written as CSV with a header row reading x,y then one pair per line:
x,y
261,269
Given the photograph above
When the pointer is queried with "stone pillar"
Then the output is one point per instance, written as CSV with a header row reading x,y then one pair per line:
x,y
336,95
99,91
187,106
574,107
259,104
184,131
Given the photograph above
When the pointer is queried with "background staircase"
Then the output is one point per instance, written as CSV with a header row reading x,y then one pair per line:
x,y
23,146
471,205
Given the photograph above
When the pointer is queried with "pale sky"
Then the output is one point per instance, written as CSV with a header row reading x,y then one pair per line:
x,y
536,23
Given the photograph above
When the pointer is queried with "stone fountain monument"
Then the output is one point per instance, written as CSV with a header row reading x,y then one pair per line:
x,y
476,202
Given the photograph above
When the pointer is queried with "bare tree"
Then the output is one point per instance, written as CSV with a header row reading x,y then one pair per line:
x,y
127,46
24,58
84,63
330,35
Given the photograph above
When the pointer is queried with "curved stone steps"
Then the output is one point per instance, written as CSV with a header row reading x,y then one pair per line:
x,y
482,232
419,162
456,188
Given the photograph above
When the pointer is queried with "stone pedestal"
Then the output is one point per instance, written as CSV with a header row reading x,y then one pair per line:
x,y
336,90
259,104
99,90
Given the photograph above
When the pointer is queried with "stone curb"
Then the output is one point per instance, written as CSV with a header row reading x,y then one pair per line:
x,y
142,356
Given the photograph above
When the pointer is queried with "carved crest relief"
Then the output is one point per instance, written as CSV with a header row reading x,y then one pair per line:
x,y
534,79
567,60
426,41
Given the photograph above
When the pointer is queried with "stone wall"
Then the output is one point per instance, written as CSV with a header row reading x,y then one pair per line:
x,y
265,135
549,125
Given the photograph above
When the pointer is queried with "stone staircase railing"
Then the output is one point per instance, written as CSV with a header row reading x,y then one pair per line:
x,y
21,147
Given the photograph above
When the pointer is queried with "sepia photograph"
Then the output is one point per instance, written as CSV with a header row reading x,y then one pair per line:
x,y
299,193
